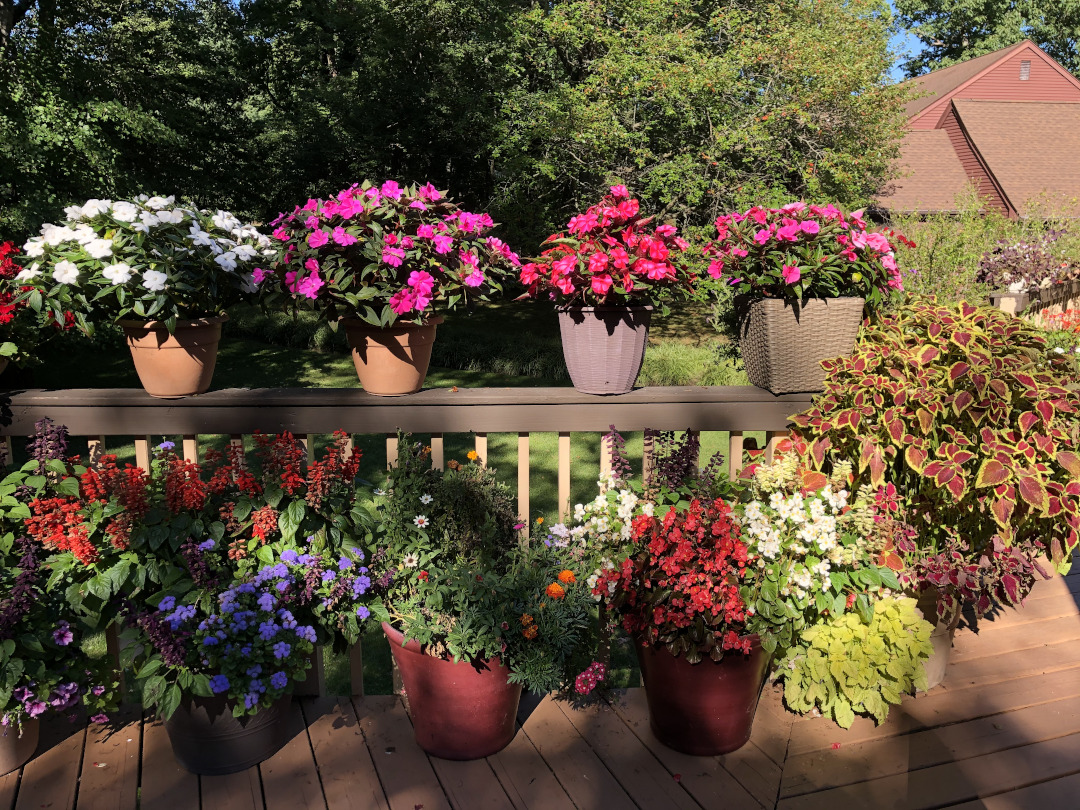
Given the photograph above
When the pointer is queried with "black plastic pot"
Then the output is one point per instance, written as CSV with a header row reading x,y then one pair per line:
x,y
207,739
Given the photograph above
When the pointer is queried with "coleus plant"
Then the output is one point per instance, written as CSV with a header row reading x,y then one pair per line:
x,y
962,409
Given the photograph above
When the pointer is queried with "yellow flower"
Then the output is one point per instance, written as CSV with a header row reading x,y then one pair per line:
x,y
472,455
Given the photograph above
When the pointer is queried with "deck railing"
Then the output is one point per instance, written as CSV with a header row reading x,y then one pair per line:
x,y
102,415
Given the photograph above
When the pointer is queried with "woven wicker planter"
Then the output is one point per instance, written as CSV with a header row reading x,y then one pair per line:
x,y
783,345
604,347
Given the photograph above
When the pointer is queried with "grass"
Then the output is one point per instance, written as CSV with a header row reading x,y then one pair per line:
x,y
514,344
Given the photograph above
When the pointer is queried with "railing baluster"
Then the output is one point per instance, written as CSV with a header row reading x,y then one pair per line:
x,y
735,454
356,669
191,449
437,451
7,451
648,457
523,480
564,475
315,682
605,456
142,452
391,450
481,448
309,446
95,449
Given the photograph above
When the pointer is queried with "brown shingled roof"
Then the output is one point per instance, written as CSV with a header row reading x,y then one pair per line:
x,y
1030,147
944,81
929,172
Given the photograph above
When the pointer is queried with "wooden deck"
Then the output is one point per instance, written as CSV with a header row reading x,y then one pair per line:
x,y
1003,731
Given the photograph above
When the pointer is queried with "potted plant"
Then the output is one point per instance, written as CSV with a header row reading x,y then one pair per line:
x,y
20,330
964,418
43,665
802,277
473,613
605,273
384,261
1023,271
218,653
163,272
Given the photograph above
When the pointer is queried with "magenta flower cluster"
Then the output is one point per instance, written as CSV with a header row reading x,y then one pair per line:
x,y
383,253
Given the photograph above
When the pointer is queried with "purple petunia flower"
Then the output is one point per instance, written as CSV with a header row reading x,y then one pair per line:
x,y
62,635
100,718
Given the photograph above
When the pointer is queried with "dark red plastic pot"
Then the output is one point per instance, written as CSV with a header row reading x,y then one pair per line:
x,y
462,710
207,739
705,708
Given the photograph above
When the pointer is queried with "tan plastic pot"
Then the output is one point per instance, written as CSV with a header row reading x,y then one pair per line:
x,y
391,361
16,750
941,639
604,347
174,365
782,344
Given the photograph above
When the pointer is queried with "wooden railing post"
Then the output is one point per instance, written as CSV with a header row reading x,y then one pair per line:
x,y
142,452
523,480
735,453
437,452
480,445
191,449
564,475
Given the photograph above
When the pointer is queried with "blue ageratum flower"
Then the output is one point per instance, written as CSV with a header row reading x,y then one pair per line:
x,y
279,680
219,684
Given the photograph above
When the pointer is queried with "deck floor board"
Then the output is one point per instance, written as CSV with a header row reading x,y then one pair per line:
x,y
1002,732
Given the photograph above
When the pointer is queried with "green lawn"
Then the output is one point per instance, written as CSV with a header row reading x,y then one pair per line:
x,y
509,345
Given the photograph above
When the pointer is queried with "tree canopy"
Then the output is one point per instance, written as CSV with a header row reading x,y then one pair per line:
x,y
528,109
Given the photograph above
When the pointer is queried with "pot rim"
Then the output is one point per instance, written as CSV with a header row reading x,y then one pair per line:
x,y
357,323
603,307
395,637
209,320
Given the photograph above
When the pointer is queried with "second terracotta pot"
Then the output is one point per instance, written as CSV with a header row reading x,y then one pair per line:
x,y
705,708
15,748
459,710
391,361
174,365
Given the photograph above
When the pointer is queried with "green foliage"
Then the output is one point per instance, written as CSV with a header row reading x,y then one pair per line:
x,y
956,30
960,407
847,665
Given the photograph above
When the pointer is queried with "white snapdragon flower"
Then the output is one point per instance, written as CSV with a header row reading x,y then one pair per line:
x,y
160,202
34,247
95,207
125,211
227,261
118,273
245,253
99,248
65,272
28,273
57,234
154,280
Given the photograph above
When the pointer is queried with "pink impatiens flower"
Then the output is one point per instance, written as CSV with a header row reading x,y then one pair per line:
x,y
620,192
475,278
312,265
422,281
762,236
258,275
393,256
429,192
317,239
402,301
342,237
809,227
391,189
601,284
716,268
310,286
443,243
791,273
281,234
425,232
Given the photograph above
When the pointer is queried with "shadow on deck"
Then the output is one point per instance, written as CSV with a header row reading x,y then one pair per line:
x,y
1002,731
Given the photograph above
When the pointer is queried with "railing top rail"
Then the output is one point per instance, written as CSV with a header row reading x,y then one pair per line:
x,y
129,411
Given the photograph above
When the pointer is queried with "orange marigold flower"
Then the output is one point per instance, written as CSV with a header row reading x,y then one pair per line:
x,y
567,577
526,619
555,591
472,455
530,632
539,520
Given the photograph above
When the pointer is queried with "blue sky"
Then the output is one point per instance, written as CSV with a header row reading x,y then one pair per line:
x,y
904,45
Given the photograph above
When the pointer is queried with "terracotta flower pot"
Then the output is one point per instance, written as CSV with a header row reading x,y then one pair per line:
x,y
16,750
391,361
706,708
604,347
783,345
459,710
207,739
176,365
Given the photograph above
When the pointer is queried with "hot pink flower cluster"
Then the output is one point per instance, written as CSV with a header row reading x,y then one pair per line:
x,y
610,254
386,253
587,680
803,251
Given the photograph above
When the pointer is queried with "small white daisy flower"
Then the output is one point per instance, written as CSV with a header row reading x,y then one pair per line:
x,y
426,499
410,560
421,521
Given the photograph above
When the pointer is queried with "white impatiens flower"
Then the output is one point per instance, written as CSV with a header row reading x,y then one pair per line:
x,y
34,247
1059,350
200,237
149,219
154,280
84,234
29,273
227,261
225,221
65,272
95,207
245,253
118,273
57,234
125,211
160,202
410,560
421,521
426,499
171,217
99,248
74,212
